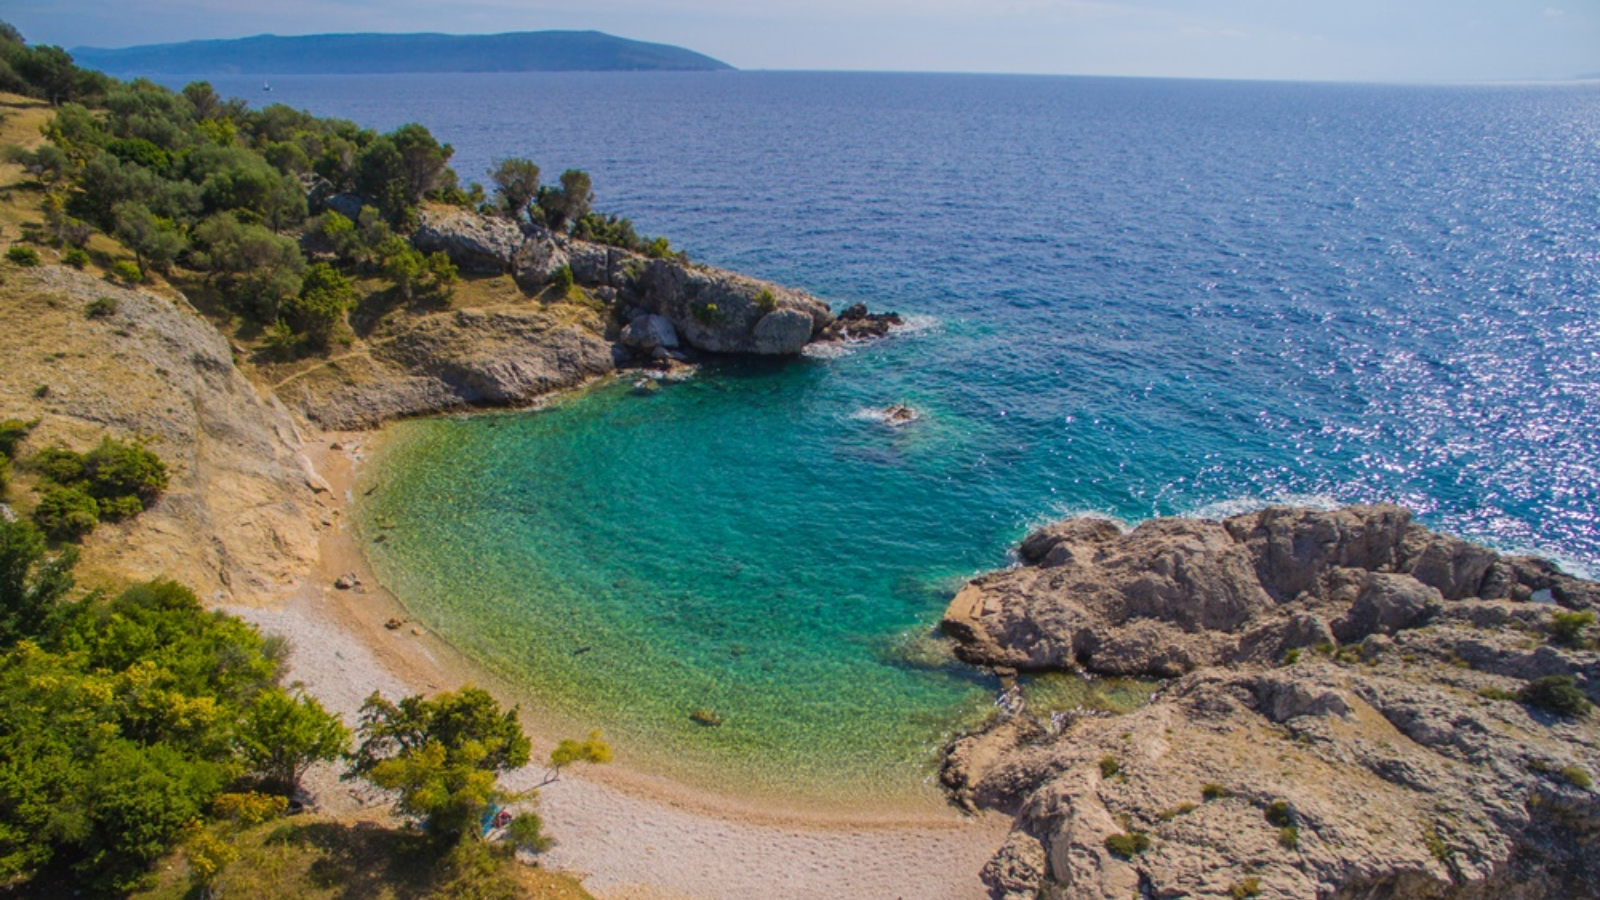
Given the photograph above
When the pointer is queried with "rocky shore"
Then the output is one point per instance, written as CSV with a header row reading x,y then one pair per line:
x,y
1359,707
636,312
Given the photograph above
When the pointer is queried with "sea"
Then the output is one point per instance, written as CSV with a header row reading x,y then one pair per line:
x,y
1129,298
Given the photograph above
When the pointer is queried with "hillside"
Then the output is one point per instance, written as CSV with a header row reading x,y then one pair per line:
x,y
319,54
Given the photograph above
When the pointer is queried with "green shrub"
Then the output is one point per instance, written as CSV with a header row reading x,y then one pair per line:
x,y
1494,693
12,432
58,464
1577,777
77,257
1182,809
1109,766
766,301
1214,791
707,314
122,469
1557,694
1280,813
526,832
1292,656
1245,889
101,307
563,280
126,271
658,249
5,476
66,513
23,256
1289,837
1567,627
1128,845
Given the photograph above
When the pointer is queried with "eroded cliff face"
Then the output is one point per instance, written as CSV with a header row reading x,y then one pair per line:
x,y
238,520
1341,723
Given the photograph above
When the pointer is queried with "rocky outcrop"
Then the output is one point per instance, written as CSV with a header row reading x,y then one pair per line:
x,y
1176,594
712,310
474,242
496,357
1340,725
237,522
722,312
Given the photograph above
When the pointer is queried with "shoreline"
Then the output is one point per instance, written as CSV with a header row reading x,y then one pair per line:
x,y
630,834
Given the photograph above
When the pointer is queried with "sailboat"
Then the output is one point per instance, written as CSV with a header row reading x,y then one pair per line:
x,y
265,86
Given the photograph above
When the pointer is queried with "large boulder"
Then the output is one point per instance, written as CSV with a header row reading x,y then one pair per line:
x,y
473,241
537,260
647,332
722,312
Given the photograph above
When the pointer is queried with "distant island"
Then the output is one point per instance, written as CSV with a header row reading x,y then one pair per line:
x,y
344,54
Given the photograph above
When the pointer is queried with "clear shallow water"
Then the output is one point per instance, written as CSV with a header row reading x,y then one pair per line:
x,y
1151,297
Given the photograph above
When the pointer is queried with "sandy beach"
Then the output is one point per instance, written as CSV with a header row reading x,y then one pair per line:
x,y
629,835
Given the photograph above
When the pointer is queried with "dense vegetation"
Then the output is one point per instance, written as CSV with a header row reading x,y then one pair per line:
x,y
245,199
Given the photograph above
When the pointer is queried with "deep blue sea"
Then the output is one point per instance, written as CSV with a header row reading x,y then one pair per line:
x,y
1132,297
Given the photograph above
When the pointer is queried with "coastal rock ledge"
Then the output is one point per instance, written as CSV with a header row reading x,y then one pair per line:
x,y
1359,708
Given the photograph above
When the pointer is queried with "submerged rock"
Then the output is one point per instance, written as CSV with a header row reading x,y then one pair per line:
x,y
855,323
1334,729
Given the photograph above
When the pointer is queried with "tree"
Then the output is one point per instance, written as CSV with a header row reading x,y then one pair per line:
x,y
282,734
31,583
263,268
441,756
155,241
590,750
567,204
516,183
320,307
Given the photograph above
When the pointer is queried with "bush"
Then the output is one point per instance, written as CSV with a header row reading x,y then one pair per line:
x,y
77,257
1577,777
526,832
1128,845
23,256
563,280
118,469
1109,766
1567,627
67,513
101,307
766,301
1289,837
12,433
126,271
1245,889
1280,813
1556,694
57,464
1214,791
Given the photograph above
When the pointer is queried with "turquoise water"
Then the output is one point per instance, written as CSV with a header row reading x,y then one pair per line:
x,y
1134,297
724,545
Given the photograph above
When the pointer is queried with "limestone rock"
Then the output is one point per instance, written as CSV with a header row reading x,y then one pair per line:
x,y
1386,770
473,241
492,357
1017,871
648,333
236,521
722,312
537,260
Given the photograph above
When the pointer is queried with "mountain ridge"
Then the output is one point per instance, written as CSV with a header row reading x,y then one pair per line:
x,y
383,53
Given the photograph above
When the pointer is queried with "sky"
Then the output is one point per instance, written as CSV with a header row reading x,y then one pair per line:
x,y
1322,40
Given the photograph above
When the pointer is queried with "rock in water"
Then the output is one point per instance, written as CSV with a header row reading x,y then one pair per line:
x,y
1340,723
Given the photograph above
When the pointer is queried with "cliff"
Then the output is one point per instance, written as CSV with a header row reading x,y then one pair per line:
x,y
238,520
1343,720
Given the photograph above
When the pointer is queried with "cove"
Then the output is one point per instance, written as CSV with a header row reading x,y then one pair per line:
x,y
746,544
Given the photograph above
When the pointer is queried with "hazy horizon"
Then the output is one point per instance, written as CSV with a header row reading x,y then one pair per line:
x,y
1360,40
